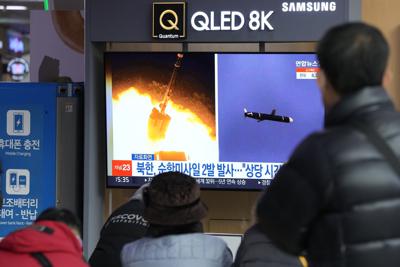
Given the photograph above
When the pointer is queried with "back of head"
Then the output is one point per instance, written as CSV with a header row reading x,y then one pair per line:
x,y
353,56
173,201
61,215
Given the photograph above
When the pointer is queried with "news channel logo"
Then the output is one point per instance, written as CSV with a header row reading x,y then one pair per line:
x,y
169,20
18,122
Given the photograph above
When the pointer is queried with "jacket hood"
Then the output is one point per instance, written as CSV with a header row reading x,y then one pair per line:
x,y
353,105
56,238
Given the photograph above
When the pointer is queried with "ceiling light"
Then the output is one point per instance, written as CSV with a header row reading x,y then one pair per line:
x,y
16,8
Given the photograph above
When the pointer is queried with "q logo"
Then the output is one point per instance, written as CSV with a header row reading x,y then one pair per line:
x,y
173,24
169,20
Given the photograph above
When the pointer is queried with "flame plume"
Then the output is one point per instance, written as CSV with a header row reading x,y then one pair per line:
x,y
186,132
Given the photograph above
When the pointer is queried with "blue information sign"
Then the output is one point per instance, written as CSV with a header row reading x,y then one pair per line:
x,y
27,152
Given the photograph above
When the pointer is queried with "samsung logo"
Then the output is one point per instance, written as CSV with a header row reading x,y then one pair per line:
x,y
309,6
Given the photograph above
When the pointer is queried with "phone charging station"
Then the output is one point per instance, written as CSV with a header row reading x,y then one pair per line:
x,y
40,151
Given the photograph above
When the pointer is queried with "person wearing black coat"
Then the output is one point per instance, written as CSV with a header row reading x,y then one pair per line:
x,y
337,198
256,250
126,224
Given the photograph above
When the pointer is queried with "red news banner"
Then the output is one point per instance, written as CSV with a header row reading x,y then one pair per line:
x,y
122,168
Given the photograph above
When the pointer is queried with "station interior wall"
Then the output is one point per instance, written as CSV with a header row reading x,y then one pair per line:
x,y
384,14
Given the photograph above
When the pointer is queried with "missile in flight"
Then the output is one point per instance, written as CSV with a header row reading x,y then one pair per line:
x,y
270,117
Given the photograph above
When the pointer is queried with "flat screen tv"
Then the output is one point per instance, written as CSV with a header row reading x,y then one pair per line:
x,y
230,120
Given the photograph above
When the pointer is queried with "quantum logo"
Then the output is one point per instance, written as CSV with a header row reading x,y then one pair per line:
x,y
169,20
172,24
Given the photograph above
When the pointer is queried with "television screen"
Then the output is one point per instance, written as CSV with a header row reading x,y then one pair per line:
x,y
229,120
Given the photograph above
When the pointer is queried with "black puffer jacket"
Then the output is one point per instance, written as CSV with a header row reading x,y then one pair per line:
x,y
125,225
337,198
256,250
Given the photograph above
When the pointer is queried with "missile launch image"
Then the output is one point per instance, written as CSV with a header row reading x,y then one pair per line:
x,y
159,120
163,104
206,108
271,117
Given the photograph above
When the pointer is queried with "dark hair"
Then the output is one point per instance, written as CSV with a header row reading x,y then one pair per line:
x,y
353,56
60,215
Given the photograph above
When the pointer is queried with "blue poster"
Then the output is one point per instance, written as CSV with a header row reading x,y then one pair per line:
x,y
27,152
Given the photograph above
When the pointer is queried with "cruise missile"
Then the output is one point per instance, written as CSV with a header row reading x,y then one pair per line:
x,y
271,117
